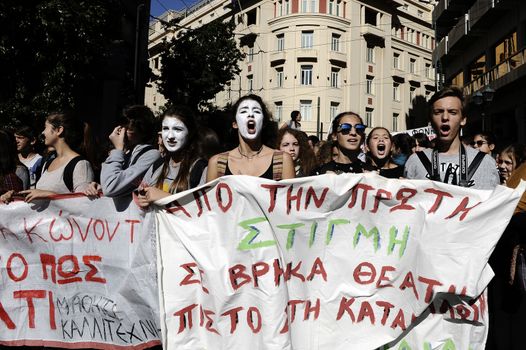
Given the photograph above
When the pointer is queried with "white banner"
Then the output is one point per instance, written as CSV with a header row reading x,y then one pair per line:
x,y
328,262
77,273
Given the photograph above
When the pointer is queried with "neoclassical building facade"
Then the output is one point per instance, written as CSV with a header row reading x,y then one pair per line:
x,y
322,57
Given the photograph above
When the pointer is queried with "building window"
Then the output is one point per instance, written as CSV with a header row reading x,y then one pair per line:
x,y
250,83
396,60
307,39
279,77
306,109
335,76
458,80
412,65
370,16
312,6
280,8
412,93
505,49
335,7
396,92
335,42
250,56
370,54
278,110
334,110
306,75
286,9
304,4
280,42
395,122
252,17
369,85
420,13
369,116
478,67
427,71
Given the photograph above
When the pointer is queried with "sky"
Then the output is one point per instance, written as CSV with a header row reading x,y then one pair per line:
x,y
158,7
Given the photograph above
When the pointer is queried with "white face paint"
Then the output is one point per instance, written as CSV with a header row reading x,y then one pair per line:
x,y
249,119
174,134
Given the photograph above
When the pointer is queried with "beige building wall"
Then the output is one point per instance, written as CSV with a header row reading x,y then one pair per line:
x,y
323,57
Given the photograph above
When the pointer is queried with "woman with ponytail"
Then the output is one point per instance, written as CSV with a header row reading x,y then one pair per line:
x,y
68,171
181,168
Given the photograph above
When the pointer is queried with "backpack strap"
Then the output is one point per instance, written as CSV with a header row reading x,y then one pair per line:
x,y
196,172
277,165
475,164
426,163
140,153
222,161
67,176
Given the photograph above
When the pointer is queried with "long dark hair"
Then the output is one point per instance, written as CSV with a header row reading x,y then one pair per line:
x,y
306,157
269,129
190,152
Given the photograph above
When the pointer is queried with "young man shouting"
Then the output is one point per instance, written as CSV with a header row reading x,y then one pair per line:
x,y
450,161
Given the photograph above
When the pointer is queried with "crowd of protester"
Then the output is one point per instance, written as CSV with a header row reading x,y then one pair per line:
x,y
156,157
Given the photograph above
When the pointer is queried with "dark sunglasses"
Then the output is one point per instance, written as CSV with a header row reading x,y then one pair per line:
x,y
345,128
479,143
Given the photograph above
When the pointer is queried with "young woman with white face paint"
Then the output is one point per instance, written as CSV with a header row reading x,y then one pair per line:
x,y
251,156
180,168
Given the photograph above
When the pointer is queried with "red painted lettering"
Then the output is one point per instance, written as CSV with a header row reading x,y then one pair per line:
x,y
91,275
29,295
22,263
345,306
462,208
238,272
219,198
404,195
311,194
438,200
364,273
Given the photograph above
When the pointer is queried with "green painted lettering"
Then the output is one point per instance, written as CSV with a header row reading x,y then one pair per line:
x,y
361,230
248,243
393,241
292,232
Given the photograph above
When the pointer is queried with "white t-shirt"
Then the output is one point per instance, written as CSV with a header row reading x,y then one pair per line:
x,y
31,165
53,181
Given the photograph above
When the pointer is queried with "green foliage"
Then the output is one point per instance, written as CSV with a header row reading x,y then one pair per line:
x,y
49,51
198,64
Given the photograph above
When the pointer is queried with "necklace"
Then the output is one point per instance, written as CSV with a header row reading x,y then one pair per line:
x,y
246,155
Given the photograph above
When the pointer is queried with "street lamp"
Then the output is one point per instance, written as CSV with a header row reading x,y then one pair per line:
x,y
483,98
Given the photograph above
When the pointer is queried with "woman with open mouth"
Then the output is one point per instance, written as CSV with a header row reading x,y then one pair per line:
x,y
251,157
180,168
348,132
379,142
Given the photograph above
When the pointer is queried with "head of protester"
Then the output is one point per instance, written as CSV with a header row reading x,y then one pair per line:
x,y
450,161
379,144
484,142
251,157
348,134
180,168
295,143
421,141
510,158
403,146
295,120
132,154
69,171
10,183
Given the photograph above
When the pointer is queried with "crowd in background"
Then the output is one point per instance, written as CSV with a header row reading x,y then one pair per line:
x,y
156,157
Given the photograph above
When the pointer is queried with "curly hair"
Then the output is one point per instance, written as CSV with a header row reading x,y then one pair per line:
x,y
306,158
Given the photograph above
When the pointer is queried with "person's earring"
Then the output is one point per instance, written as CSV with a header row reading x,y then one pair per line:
x,y
461,133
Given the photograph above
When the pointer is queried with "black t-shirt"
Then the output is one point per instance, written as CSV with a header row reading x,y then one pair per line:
x,y
340,168
393,173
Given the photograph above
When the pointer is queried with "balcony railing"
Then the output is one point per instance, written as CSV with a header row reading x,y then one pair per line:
x,y
497,72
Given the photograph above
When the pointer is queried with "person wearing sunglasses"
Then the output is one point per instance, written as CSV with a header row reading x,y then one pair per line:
x,y
450,161
483,142
348,133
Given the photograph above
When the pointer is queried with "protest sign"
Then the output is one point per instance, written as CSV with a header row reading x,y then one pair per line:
x,y
328,262
426,130
77,273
